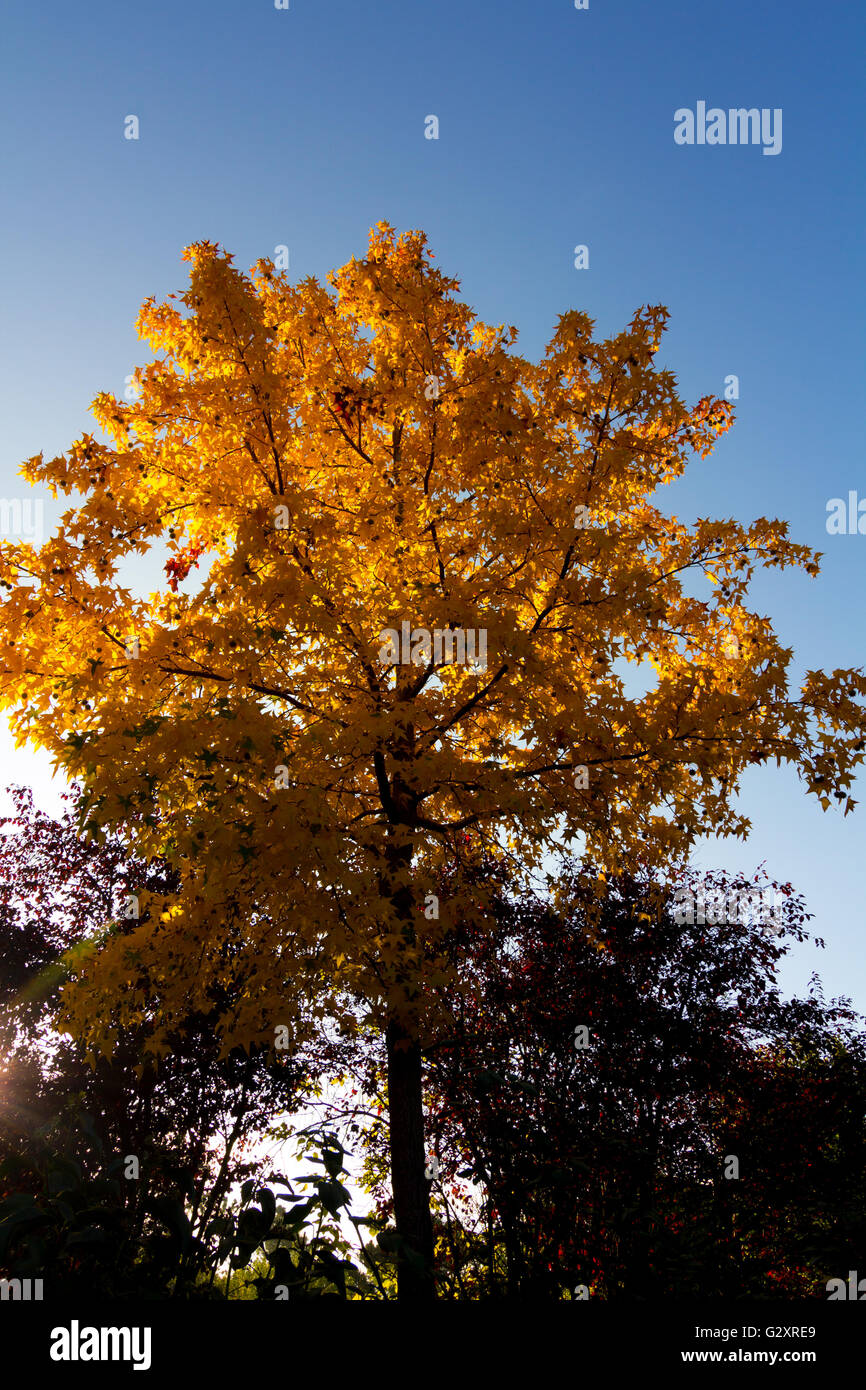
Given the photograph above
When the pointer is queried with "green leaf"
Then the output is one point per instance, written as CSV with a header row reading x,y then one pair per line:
x,y
268,1203
242,1256
171,1213
389,1241
333,1161
298,1213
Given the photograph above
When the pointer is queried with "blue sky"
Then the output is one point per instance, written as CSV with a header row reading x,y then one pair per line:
x,y
261,127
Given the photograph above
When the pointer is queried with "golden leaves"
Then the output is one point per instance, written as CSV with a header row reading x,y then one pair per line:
x,y
448,512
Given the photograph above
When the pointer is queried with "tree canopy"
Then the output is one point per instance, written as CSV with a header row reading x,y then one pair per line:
x,y
338,462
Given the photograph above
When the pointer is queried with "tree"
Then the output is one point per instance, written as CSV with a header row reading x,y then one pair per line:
x,y
797,1116
184,1119
600,1076
372,484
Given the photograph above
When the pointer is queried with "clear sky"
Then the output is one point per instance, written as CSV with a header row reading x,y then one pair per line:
x,y
302,127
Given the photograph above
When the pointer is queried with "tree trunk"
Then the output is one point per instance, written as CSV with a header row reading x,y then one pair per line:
x,y
408,1183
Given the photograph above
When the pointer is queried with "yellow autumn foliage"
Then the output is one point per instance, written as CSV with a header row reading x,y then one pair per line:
x,y
327,462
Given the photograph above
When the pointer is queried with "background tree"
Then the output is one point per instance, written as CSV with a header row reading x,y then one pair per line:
x,y
333,464
601,1158
186,1119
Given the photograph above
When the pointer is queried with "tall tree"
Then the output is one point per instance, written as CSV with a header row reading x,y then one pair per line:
x,y
333,471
